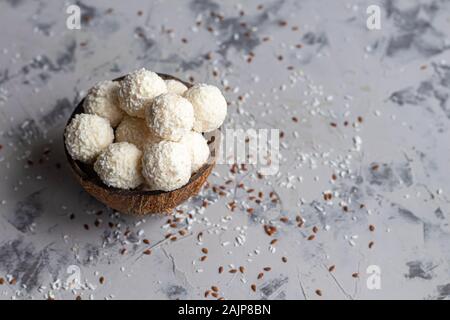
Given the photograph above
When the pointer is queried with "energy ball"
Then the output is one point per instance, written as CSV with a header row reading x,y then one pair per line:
x,y
166,165
198,149
102,100
210,107
119,166
135,131
169,117
175,86
138,89
87,135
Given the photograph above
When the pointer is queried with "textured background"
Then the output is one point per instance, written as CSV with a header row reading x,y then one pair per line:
x,y
369,107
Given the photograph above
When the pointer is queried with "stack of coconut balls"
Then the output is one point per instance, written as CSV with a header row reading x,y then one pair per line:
x,y
157,142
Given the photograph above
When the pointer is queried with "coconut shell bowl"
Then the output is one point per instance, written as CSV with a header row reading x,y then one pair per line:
x,y
141,202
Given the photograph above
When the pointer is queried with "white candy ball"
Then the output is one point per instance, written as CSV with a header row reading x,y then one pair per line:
x,y
166,165
198,149
138,89
135,131
87,135
175,86
119,166
170,116
102,100
210,107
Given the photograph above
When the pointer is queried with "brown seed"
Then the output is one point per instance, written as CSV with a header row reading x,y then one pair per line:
x,y
331,269
215,289
86,227
355,275
371,243
232,271
146,241
13,281
102,280
253,286
123,251
282,23
215,294
284,259
260,275
174,238
2,281
205,250
333,124
372,228
274,241
147,252
311,237
375,167
203,258
241,269
315,229
270,230
220,269
267,269
207,292
319,292
284,219
250,210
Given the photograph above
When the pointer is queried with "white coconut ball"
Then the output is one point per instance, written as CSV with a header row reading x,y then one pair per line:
x,y
198,149
210,107
175,86
87,135
135,131
102,100
119,166
138,89
170,116
166,165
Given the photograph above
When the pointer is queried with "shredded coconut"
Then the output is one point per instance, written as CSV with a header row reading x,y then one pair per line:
x,y
170,116
198,149
175,86
135,131
87,135
119,166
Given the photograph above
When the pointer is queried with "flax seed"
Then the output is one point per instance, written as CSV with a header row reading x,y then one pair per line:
x,y
372,228
203,258
284,259
319,292
241,269
260,275
102,280
267,269
253,287
331,268
311,237
232,271
215,289
371,243
205,250
220,269
315,229
147,252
